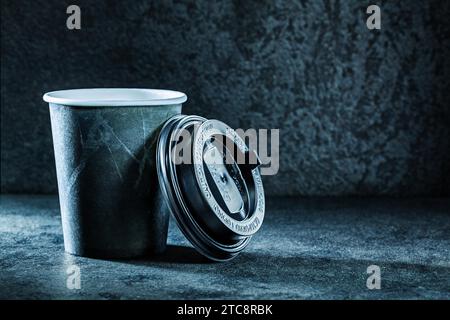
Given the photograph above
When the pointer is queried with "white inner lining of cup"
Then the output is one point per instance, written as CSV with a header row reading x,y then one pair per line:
x,y
115,97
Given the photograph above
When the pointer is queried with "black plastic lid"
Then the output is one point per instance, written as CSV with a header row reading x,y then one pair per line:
x,y
211,185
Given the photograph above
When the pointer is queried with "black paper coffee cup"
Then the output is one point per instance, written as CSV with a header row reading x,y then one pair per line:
x,y
104,143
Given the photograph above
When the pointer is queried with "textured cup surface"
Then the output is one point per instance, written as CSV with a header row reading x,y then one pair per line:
x,y
111,205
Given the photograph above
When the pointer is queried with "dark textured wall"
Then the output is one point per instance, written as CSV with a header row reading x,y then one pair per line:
x,y
361,112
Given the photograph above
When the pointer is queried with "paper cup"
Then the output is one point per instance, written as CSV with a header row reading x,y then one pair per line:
x,y
104,142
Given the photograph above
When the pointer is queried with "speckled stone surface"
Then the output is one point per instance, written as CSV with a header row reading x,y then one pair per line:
x,y
360,112
307,249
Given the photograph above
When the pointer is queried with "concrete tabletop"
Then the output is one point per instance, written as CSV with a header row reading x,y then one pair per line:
x,y
306,249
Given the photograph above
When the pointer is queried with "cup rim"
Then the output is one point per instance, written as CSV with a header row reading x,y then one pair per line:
x,y
111,97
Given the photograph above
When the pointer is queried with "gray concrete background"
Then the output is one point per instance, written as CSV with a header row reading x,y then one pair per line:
x,y
361,112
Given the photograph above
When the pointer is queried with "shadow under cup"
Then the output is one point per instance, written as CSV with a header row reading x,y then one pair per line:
x,y
105,154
